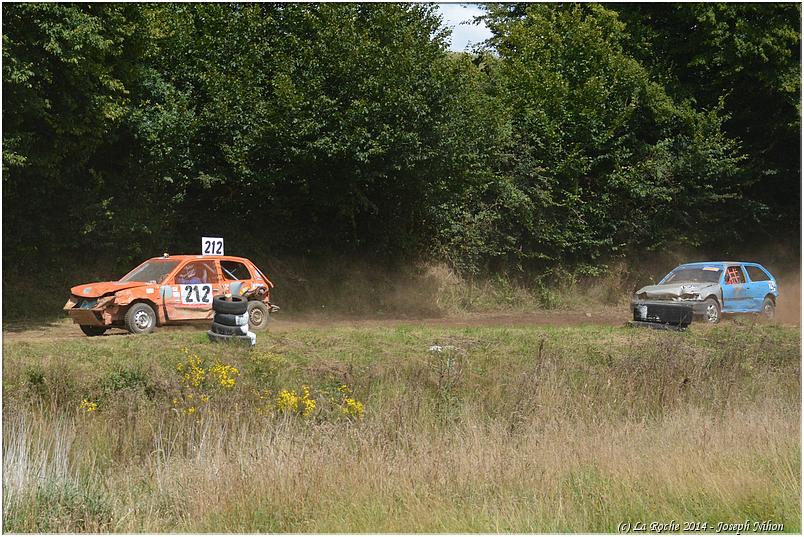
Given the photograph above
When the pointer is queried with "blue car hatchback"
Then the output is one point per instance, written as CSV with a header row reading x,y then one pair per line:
x,y
714,288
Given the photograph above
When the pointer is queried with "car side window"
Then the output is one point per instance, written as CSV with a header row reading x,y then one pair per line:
x,y
234,270
734,275
757,274
197,272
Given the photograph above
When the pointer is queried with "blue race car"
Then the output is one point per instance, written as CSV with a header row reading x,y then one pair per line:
x,y
714,288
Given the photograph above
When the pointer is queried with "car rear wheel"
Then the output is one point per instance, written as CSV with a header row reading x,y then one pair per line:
x,y
93,331
711,311
768,308
140,319
258,315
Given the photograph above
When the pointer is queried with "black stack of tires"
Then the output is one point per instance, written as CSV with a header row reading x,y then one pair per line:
x,y
231,321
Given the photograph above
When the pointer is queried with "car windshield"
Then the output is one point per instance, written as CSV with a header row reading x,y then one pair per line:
x,y
698,275
151,271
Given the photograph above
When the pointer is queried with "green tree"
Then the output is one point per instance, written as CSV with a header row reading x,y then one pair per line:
x,y
747,57
318,122
604,163
580,133
65,70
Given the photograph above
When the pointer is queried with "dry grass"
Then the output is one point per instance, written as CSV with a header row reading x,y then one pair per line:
x,y
526,430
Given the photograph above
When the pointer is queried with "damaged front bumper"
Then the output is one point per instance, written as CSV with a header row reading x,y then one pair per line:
x,y
91,311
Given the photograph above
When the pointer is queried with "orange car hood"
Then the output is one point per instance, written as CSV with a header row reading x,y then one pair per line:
x,y
92,290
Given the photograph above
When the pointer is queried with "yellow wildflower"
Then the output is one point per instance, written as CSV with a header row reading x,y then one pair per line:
x,y
290,401
88,405
287,400
309,407
226,374
352,407
193,374
309,404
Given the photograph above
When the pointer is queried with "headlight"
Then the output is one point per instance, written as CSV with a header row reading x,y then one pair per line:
x,y
104,301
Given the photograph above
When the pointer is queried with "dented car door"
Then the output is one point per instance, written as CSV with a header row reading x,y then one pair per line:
x,y
191,290
761,284
736,291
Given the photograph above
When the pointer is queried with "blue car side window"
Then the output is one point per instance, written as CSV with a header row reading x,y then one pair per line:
x,y
757,273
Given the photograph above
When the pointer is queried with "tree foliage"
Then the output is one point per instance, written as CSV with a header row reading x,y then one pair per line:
x,y
602,160
747,59
579,133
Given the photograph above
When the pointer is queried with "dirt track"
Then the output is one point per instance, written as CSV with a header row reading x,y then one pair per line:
x,y
65,329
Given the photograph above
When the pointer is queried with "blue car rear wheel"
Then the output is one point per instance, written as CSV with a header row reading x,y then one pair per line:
x,y
768,308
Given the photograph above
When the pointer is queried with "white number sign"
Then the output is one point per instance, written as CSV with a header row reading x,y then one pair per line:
x,y
196,293
212,245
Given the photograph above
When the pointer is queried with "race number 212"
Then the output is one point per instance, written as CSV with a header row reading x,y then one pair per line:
x,y
212,245
198,293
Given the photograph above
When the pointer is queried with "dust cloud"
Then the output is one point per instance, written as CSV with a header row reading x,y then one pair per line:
x,y
788,307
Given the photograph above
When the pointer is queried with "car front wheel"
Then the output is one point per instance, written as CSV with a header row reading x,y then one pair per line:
x,y
711,311
140,319
93,331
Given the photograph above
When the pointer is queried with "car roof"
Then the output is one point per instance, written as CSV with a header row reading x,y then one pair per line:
x,y
718,263
184,257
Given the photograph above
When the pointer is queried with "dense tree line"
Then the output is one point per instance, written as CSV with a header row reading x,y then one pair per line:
x,y
577,134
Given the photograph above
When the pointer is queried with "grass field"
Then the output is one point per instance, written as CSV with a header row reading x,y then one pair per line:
x,y
526,429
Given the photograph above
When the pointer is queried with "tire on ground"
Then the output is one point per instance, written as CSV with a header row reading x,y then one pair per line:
x,y
230,319
93,331
258,315
221,338
140,318
228,330
234,305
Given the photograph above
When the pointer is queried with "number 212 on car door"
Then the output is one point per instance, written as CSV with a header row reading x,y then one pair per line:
x,y
197,293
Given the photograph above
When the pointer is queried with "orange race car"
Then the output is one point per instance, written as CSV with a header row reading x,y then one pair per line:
x,y
167,290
